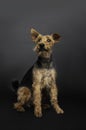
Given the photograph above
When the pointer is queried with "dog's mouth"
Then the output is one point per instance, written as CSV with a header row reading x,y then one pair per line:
x,y
39,49
43,49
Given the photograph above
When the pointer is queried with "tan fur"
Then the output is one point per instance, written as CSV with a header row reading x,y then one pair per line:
x,y
54,100
42,78
23,96
48,45
37,99
39,38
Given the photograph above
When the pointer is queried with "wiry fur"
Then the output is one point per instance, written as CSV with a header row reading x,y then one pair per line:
x,y
42,75
23,96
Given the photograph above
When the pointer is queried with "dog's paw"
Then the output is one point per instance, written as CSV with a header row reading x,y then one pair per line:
x,y
21,109
18,107
38,113
60,111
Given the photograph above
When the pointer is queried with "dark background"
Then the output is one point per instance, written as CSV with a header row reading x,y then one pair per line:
x,y
68,18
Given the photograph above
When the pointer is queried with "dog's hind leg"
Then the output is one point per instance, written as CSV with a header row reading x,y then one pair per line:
x,y
23,96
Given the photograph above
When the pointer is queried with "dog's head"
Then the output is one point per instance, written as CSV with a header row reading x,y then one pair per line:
x,y
44,43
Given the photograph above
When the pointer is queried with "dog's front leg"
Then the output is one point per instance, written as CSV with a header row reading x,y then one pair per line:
x,y
54,100
37,99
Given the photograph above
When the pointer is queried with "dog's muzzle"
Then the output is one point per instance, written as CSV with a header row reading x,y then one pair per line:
x,y
42,47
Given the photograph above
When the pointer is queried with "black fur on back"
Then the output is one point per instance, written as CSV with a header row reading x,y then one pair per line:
x,y
15,85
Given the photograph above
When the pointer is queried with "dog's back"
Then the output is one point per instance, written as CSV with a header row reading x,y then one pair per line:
x,y
26,81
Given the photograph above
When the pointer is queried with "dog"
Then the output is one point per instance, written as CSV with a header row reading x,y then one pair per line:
x,y
42,75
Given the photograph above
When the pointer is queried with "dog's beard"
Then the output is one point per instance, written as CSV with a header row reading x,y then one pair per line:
x,y
43,51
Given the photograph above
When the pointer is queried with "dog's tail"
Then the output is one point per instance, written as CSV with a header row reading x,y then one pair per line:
x,y
15,85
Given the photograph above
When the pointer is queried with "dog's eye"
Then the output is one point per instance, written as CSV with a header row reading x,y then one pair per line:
x,y
48,40
39,39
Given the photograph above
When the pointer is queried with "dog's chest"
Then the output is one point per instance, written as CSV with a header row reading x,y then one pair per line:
x,y
44,76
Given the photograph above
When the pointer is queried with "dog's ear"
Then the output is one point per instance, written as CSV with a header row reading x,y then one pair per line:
x,y
56,37
34,34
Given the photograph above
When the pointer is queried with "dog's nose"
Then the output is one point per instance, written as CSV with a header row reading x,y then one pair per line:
x,y
41,45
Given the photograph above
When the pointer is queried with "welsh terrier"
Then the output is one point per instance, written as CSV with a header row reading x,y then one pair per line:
x,y
42,75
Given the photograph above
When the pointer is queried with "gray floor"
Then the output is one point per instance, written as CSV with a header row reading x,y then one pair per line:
x,y
74,117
